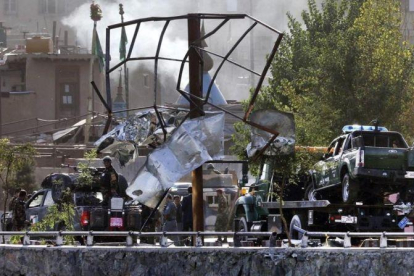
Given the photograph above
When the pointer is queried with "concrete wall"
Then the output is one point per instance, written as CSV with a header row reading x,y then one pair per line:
x,y
17,260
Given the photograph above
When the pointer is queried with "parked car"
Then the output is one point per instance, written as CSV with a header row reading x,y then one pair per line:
x,y
91,212
365,163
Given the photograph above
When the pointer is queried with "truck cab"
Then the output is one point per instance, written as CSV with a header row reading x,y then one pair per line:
x,y
364,163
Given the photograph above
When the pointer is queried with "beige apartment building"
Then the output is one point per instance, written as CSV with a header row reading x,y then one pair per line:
x,y
38,89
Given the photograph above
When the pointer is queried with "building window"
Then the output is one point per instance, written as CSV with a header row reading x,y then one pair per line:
x,y
67,95
10,6
411,5
52,6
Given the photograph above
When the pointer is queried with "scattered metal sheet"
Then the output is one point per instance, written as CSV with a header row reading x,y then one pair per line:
x,y
69,131
281,122
122,151
143,129
190,146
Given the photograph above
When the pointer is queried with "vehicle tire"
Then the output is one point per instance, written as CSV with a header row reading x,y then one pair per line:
x,y
296,221
241,226
3,222
310,193
349,189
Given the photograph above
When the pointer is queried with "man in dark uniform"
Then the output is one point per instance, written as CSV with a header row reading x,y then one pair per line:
x,y
14,199
110,180
19,212
187,210
222,216
179,215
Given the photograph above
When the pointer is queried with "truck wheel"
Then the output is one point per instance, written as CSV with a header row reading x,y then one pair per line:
x,y
310,193
241,226
349,189
296,221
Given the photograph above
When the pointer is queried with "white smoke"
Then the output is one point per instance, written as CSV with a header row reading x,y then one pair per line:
x,y
175,40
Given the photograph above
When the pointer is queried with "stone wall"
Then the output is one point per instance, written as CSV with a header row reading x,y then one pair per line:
x,y
40,260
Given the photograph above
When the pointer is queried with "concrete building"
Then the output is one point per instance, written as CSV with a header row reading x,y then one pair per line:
x,y
39,89
23,18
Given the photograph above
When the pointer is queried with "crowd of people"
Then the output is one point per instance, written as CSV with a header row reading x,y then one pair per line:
x,y
178,215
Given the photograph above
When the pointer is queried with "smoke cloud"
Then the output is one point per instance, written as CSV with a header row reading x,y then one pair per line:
x,y
175,40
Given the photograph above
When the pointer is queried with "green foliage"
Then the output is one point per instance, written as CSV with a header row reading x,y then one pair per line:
x,y
13,158
85,176
59,217
25,178
15,239
347,63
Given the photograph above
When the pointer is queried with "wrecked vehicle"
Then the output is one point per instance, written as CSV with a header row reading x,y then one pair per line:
x,y
365,163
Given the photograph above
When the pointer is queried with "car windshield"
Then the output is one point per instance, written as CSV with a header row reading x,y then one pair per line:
x,y
382,140
88,198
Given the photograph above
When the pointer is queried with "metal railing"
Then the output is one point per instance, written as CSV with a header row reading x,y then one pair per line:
x,y
132,237
346,236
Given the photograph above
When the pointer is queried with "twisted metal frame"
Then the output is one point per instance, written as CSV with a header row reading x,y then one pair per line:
x,y
194,46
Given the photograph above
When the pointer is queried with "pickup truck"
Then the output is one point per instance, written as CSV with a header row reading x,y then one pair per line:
x,y
365,163
91,212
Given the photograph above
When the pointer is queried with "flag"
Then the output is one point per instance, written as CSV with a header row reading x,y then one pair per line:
x,y
97,49
122,45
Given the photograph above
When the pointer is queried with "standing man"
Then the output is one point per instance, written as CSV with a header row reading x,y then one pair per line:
x,y
170,217
187,210
179,216
110,180
222,216
14,199
19,212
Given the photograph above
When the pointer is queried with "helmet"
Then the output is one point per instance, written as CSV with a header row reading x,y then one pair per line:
x,y
107,158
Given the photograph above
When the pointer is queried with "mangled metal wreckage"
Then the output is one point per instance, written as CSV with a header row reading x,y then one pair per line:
x,y
182,144
190,145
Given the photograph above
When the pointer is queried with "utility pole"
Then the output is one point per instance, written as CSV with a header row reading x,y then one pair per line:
x,y
195,112
126,76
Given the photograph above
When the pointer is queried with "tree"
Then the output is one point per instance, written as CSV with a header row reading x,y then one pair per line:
x,y
25,178
13,158
347,63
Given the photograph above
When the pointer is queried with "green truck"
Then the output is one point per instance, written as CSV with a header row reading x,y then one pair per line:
x,y
365,163
345,190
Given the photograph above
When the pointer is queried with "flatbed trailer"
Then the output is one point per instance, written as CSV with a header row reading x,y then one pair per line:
x,y
321,215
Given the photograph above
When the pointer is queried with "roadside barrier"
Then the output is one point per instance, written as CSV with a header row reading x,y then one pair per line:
x,y
346,236
132,237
